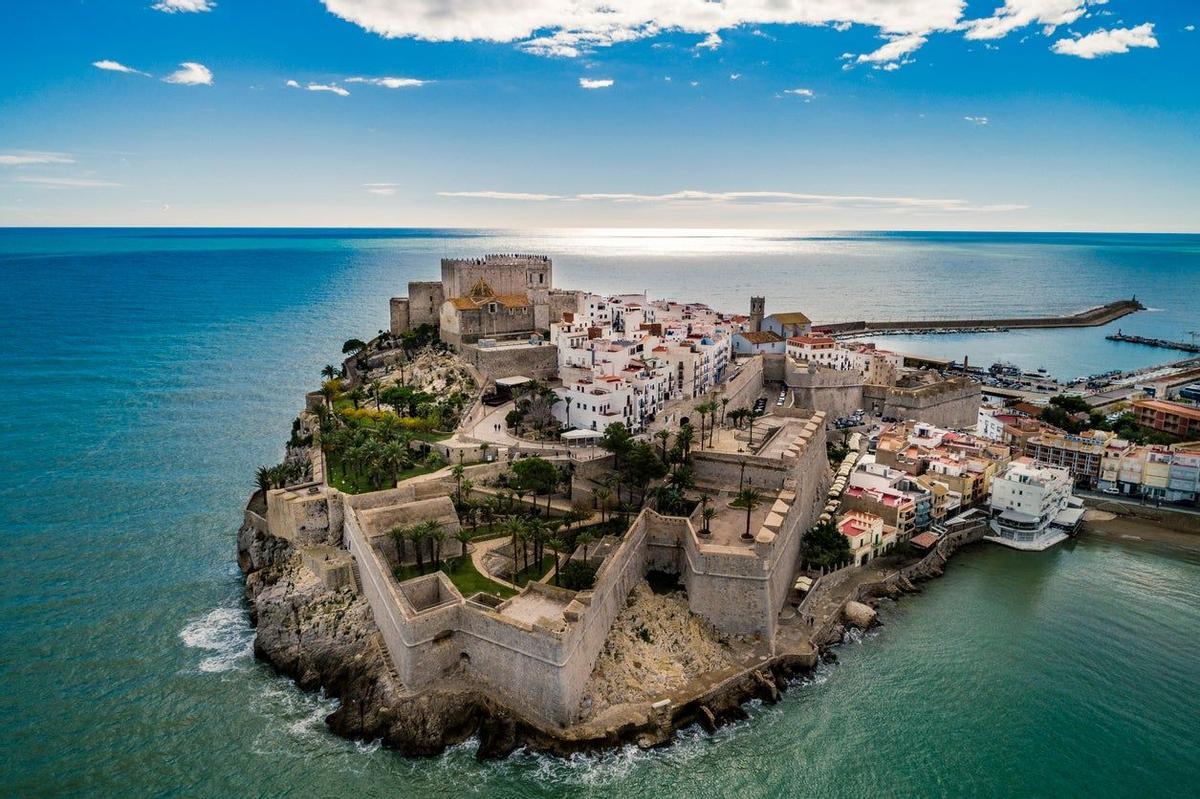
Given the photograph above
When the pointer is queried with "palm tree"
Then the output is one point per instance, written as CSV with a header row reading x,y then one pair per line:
x,y
464,537
663,437
416,534
708,514
752,416
436,532
374,390
712,420
602,495
683,440
356,396
584,540
724,405
703,409
330,371
515,528
331,389
556,546
750,499
263,478
465,487
457,473
399,535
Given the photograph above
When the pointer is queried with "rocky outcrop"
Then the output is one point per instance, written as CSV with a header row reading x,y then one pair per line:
x,y
859,615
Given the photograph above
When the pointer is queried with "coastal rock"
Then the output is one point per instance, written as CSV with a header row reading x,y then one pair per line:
x,y
859,615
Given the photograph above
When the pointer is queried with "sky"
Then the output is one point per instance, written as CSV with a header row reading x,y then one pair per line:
x,y
786,114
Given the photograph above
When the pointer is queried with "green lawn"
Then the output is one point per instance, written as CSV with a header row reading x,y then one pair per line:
x,y
352,484
463,574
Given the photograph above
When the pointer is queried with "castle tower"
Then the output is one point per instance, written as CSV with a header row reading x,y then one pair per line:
x,y
758,307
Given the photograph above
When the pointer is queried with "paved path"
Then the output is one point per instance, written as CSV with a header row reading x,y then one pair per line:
x,y
479,549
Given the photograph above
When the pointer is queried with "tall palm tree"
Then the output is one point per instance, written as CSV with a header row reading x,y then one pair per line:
x,y
703,409
712,420
374,390
356,395
457,473
684,439
708,514
556,546
416,534
464,537
663,437
602,495
752,416
329,372
436,532
516,529
399,535
584,540
331,389
750,498
465,487
724,405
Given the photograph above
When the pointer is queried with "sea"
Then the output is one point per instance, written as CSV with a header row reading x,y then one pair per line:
x,y
150,371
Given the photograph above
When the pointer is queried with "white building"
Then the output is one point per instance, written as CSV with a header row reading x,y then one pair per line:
x,y
1032,507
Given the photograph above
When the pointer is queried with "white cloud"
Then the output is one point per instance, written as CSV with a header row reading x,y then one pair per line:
x,y
28,157
382,189
1189,28
1016,14
711,42
596,83
390,83
502,195
191,73
735,75
185,6
117,66
319,87
894,51
1107,42
67,183
552,27
977,120
774,198
805,94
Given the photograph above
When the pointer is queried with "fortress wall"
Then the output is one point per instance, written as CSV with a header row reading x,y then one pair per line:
x,y
398,315
303,518
721,468
949,404
531,361
425,300
744,388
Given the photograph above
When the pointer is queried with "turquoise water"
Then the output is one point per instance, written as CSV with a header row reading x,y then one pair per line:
x,y
150,371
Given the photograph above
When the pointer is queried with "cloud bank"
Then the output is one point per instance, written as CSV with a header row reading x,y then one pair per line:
x,y
390,83
570,28
33,157
759,198
596,83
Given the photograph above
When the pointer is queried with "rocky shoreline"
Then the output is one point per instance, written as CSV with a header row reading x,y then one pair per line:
x,y
328,640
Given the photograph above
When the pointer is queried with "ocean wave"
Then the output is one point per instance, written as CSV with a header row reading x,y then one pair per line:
x,y
226,633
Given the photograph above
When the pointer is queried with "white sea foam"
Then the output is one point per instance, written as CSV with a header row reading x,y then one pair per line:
x,y
226,633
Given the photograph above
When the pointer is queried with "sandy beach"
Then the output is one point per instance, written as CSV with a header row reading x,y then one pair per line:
x,y
1101,524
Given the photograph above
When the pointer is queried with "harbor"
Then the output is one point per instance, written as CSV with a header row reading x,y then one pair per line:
x,y
1092,317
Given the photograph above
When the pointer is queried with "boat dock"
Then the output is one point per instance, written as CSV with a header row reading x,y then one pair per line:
x,y
1093,317
1154,342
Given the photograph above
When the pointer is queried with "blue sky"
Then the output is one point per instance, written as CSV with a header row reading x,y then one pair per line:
x,y
795,114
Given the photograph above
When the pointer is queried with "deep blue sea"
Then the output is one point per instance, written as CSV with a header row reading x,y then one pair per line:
x,y
150,371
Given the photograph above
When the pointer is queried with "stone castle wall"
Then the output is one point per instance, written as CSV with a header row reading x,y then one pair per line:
x,y
537,361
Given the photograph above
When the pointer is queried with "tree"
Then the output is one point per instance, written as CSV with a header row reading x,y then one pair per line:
x,y
704,408
584,540
329,372
617,440
416,534
825,547
353,346
602,495
435,532
708,514
465,487
642,465
264,479
356,395
399,535
515,529
331,389
578,575
749,498
663,437
464,537
724,405
752,416
556,546
537,475
374,390
457,473
684,439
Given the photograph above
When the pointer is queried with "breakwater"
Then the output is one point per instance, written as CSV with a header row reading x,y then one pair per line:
x,y
1154,342
1093,317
